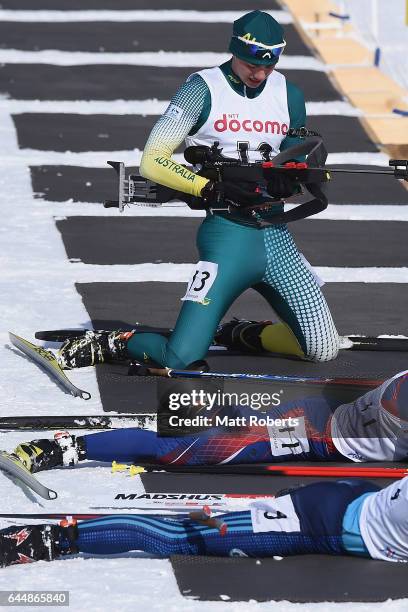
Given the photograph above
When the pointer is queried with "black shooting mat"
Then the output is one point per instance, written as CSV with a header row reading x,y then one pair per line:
x,y
341,134
127,240
248,484
129,36
121,305
74,132
123,393
308,578
116,82
91,5
369,309
82,184
289,578
69,132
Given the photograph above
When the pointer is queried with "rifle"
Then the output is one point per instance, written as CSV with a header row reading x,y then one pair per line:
x,y
311,176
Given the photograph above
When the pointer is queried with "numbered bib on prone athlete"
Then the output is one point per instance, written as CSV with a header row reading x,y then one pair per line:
x,y
289,439
276,515
201,281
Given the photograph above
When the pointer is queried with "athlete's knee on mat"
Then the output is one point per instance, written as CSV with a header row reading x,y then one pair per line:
x,y
279,338
323,348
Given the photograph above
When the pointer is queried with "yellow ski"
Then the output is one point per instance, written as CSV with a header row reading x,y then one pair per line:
x,y
47,360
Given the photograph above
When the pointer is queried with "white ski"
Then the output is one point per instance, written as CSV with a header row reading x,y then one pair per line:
x,y
15,468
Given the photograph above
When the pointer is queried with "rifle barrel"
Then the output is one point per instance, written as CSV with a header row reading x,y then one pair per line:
x,y
351,171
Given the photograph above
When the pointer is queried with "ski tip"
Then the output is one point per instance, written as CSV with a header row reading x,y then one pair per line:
x,y
15,339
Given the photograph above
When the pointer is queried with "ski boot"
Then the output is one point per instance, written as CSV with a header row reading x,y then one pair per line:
x,y
45,454
241,335
29,543
94,348
259,337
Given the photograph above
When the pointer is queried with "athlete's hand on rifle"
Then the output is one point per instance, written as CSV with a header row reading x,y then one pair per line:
x,y
281,186
242,193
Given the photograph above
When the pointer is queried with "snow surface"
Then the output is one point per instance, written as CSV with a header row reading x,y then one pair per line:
x,y
36,292
343,212
143,107
128,16
127,584
97,159
143,58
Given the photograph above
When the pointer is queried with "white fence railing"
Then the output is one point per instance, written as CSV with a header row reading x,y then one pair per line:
x,y
383,26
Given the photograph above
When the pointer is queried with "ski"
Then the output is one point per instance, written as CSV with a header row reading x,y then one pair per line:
x,y
320,471
55,516
176,502
60,335
219,502
47,360
21,475
29,422
52,516
374,343
158,504
152,512
352,342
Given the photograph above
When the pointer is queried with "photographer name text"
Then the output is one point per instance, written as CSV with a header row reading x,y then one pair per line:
x,y
226,421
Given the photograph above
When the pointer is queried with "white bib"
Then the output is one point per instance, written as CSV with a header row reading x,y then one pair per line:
x,y
201,281
241,125
365,430
278,514
287,440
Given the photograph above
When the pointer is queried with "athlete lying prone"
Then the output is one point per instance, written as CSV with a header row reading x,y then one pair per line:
x,y
339,518
372,428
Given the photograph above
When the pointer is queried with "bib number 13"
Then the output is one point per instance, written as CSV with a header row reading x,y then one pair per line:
x,y
201,281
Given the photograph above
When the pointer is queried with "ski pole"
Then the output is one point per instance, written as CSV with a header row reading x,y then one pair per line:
x,y
269,377
283,470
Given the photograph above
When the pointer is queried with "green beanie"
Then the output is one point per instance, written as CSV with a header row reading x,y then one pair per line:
x,y
261,31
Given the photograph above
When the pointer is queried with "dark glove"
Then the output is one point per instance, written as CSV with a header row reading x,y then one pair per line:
x,y
238,194
281,186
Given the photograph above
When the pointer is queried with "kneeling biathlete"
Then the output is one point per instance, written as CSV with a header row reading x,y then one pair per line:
x,y
372,428
236,252
338,518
